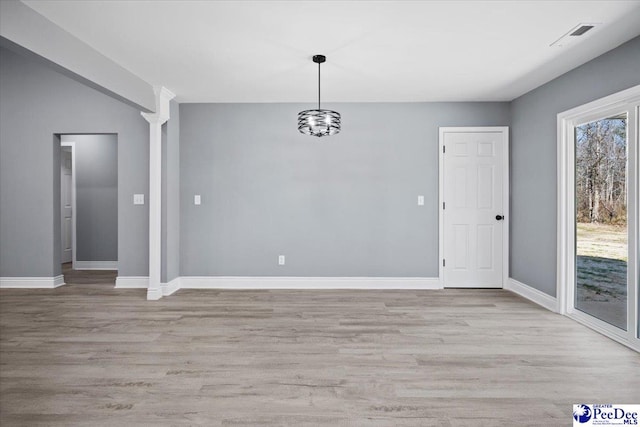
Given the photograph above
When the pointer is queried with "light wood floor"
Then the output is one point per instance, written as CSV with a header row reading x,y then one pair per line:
x,y
87,354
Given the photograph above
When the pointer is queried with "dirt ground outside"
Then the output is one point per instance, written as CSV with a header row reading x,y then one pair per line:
x,y
602,272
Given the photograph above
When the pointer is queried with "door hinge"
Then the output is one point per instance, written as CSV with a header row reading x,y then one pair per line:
x,y
443,262
443,150
442,205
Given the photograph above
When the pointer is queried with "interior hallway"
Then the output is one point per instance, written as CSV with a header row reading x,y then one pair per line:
x,y
87,277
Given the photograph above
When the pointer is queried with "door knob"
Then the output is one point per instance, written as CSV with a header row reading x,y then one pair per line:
x,y
499,217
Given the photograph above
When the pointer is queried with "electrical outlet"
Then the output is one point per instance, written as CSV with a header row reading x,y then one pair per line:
x,y
196,199
281,260
420,200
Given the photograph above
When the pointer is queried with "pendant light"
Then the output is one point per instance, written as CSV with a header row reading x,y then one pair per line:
x,y
319,122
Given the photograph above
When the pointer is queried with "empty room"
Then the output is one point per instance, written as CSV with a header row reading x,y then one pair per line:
x,y
319,213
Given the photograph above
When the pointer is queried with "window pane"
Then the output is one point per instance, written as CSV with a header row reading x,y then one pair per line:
x,y
601,220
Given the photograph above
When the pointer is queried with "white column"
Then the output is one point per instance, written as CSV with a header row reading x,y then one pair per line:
x,y
156,120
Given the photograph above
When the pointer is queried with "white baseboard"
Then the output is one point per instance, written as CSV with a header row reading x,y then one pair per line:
x,y
31,282
235,282
170,287
154,294
132,282
95,265
532,294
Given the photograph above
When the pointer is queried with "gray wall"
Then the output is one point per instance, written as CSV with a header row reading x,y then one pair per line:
x,y
37,103
338,206
171,195
534,154
96,161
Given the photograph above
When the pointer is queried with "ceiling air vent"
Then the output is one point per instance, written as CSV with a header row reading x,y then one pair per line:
x,y
581,30
573,34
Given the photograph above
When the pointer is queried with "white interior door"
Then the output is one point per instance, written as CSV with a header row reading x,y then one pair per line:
x,y
473,225
66,193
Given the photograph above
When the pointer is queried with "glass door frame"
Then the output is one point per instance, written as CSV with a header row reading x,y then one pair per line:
x,y
625,101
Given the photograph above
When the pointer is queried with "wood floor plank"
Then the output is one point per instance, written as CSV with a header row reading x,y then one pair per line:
x,y
89,354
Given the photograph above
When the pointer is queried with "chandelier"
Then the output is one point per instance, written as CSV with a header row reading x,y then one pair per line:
x,y
319,122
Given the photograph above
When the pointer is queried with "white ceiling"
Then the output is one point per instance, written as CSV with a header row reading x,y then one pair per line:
x,y
260,51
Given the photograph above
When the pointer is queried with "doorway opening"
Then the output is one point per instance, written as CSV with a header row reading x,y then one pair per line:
x,y
88,207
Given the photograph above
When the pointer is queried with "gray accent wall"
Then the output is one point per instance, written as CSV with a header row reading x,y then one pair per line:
x,y
96,177
171,195
344,205
534,156
36,103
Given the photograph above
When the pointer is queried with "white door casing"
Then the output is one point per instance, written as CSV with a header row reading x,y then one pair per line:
x,y
66,203
473,207
70,148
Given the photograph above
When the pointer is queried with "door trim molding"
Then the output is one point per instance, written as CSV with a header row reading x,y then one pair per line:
x,y
74,260
505,196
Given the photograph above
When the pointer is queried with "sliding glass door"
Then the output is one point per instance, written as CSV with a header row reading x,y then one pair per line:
x,y
601,231
598,215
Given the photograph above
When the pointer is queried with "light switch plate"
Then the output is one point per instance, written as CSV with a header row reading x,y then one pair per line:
x,y
138,199
420,200
281,260
196,199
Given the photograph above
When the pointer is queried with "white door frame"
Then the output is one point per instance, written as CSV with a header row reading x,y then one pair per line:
x,y
567,121
74,260
505,195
